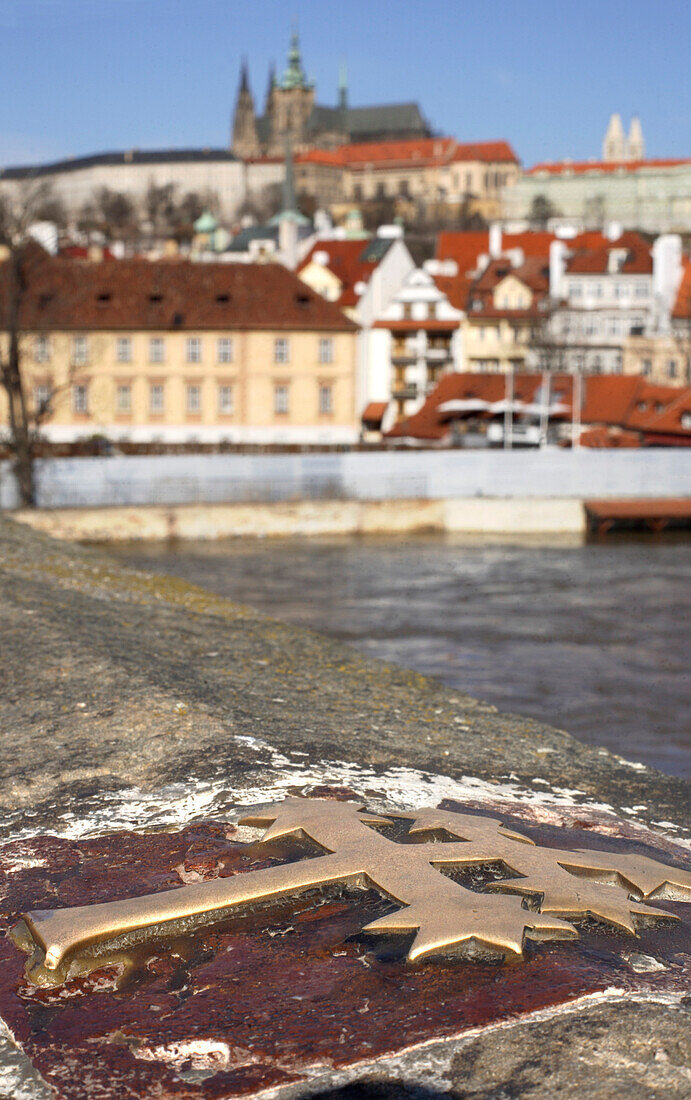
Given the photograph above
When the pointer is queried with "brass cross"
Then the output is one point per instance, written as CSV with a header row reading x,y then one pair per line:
x,y
608,886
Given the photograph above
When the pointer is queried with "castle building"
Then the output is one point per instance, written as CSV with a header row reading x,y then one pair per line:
x,y
290,107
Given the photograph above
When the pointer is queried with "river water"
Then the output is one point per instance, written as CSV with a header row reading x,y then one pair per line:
x,y
592,638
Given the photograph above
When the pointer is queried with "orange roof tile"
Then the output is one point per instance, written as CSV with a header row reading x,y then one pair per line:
x,y
417,152
628,402
374,412
563,168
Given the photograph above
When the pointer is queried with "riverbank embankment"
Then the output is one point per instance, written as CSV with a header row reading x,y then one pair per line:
x,y
474,516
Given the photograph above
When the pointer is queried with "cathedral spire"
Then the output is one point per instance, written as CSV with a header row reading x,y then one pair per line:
x,y
244,141
244,76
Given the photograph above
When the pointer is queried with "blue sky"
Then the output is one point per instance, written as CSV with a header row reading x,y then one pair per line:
x,y
80,76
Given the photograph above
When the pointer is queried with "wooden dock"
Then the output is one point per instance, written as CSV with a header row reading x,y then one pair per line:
x,y
641,515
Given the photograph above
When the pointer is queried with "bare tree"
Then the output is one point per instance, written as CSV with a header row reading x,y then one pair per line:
x,y
541,210
22,258
116,212
160,207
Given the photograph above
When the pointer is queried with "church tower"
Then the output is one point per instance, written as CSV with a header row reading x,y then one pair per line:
x,y
244,140
613,147
292,102
635,145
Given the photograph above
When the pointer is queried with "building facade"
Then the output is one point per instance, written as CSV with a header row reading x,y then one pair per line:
x,y
418,344
608,297
180,353
651,195
219,178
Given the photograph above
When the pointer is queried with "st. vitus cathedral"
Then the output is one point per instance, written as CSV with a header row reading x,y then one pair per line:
x,y
290,111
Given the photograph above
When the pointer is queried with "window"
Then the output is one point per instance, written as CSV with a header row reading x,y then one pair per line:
x,y
407,311
123,349
326,350
576,290
156,398
123,399
42,397
80,399
193,399
647,367
194,350
157,350
597,290
224,350
641,290
80,350
42,349
225,400
281,350
326,399
357,192
432,310
671,368
280,400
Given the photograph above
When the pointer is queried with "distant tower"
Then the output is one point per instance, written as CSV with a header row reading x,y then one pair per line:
x,y
343,86
613,147
635,145
244,140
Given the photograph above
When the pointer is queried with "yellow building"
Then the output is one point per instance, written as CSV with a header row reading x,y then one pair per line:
x,y
503,312
175,352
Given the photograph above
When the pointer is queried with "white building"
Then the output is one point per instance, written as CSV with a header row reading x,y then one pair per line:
x,y
363,275
605,294
214,173
417,339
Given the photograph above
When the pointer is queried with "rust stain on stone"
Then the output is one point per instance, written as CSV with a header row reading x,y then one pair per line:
x,y
258,1000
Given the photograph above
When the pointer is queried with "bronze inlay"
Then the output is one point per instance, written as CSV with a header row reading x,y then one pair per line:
x,y
609,886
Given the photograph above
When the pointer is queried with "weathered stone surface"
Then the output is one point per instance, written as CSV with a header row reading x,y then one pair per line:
x,y
632,1050
133,704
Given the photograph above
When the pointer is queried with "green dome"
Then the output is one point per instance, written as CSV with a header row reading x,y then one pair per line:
x,y
205,223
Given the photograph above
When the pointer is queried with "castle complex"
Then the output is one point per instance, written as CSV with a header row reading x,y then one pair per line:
x,y
291,111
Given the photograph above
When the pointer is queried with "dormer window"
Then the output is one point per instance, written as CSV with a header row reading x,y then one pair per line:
x,y
155,299
103,299
223,299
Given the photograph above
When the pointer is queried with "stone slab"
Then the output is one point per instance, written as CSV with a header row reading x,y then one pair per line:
x,y
140,716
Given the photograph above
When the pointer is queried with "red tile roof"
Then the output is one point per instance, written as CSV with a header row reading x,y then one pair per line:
x,y
432,324
417,153
139,294
374,412
625,401
346,263
594,260
563,168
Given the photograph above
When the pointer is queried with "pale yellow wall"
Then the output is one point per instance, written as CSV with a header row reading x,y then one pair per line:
x,y
500,340
253,373
322,280
426,182
652,357
511,293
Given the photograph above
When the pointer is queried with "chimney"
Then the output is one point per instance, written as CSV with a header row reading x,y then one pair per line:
x,y
557,266
667,269
495,240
